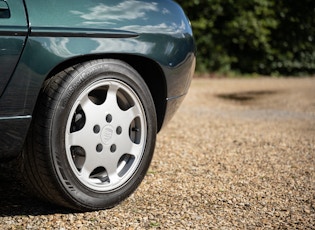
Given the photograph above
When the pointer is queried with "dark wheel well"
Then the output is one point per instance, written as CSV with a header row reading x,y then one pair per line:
x,y
149,70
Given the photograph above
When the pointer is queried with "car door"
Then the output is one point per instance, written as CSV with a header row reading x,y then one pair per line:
x,y
13,32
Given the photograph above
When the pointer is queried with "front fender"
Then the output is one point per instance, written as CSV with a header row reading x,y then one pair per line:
x,y
60,31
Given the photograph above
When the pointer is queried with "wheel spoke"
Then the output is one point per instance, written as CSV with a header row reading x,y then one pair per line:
x,y
78,138
90,109
131,148
111,99
136,150
91,163
131,114
126,117
111,169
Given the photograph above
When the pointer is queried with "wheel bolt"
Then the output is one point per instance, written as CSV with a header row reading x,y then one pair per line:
x,y
96,129
113,148
109,118
99,148
119,130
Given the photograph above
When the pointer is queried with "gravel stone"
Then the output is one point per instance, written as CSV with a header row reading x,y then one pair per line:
x,y
239,153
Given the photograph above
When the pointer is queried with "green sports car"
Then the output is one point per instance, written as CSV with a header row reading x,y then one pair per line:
x,y
85,86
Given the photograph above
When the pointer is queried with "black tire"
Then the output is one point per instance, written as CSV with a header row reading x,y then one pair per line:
x,y
92,137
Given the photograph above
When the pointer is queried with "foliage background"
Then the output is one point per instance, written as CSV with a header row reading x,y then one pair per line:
x,y
269,37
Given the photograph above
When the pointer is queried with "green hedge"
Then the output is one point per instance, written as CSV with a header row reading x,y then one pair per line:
x,y
254,36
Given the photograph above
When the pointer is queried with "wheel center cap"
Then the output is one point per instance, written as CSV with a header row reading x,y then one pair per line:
x,y
107,134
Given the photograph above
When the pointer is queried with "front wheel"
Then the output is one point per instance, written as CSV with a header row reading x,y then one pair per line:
x,y
92,137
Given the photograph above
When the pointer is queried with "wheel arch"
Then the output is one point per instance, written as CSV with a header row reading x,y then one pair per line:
x,y
148,69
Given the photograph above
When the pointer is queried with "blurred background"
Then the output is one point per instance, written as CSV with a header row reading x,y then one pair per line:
x,y
265,37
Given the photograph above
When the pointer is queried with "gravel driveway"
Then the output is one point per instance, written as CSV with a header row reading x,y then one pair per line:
x,y
240,153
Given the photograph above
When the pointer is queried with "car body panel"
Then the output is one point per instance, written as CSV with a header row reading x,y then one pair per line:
x,y
158,31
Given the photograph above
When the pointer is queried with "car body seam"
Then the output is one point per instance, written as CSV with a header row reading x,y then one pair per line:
x,y
79,32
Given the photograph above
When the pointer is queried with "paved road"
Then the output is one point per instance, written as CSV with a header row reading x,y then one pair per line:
x,y
240,153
